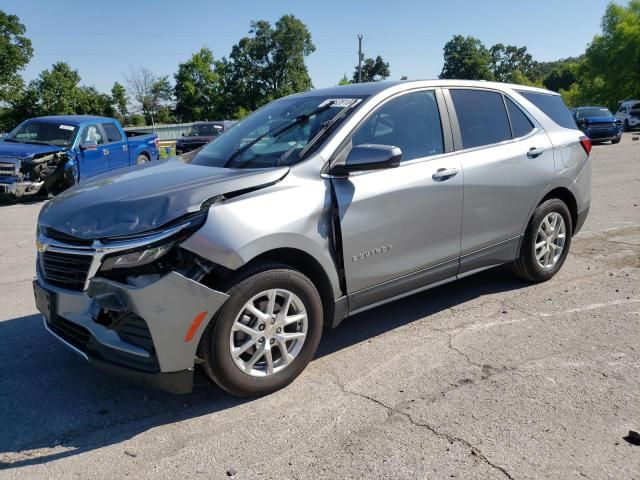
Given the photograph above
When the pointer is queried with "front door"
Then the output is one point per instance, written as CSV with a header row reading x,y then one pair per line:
x,y
93,160
401,226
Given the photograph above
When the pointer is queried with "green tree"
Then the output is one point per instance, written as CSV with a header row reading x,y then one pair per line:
x,y
466,58
57,90
344,80
372,70
561,77
119,99
15,53
196,89
509,59
611,71
268,64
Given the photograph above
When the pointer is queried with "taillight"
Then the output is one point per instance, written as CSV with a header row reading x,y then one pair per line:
x,y
157,143
586,144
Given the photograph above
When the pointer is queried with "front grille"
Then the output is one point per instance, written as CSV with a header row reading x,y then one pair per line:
x,y
59,236
7,169
66,270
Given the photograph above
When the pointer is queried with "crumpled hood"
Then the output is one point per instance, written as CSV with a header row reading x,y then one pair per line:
x,y
139,199
26,150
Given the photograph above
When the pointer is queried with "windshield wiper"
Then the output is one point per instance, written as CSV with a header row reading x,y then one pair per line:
x,y
12,140
36,142
279,130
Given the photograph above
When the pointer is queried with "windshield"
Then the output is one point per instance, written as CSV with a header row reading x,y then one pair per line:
x,y
43,133
593,112
275,134
205,130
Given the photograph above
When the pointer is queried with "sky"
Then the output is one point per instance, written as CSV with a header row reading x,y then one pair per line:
x,y
102,40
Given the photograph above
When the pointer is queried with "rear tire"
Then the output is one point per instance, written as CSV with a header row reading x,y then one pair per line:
x,y
142,159
234,372
615,141
544,249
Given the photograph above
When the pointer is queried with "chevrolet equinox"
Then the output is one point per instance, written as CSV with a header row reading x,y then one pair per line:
x,y
315,207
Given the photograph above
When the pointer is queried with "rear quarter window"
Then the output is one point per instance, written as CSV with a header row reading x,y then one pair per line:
x,y
553,107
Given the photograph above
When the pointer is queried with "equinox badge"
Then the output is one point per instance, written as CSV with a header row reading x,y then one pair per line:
x,y
371,253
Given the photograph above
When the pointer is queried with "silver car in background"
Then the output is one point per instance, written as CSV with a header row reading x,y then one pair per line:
x,y
315,207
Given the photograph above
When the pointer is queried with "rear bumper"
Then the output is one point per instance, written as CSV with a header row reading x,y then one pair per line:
x,y
147,334
582,217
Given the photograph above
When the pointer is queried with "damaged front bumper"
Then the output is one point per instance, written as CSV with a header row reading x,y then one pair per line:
x,y
145,334
17,188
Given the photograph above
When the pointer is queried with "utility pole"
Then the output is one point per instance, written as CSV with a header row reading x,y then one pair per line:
x,y
359,58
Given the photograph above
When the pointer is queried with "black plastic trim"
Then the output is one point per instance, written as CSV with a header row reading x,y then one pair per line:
x,y
403,285
503,252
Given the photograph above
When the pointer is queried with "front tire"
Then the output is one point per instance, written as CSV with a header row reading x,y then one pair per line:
x,y
266,332
616,141
546,242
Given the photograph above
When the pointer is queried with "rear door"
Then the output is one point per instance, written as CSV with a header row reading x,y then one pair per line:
x,y
401,226
117,145
93,160
508,162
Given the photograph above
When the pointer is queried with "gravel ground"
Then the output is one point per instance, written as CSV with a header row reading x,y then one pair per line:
x,y
482,378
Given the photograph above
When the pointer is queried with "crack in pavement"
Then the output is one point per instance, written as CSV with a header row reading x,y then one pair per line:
x,y
451,439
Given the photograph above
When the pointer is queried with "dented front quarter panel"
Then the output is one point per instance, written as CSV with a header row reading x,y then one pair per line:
x,y
294,213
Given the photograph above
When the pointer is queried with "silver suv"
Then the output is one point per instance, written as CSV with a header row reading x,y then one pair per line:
x,y
315,207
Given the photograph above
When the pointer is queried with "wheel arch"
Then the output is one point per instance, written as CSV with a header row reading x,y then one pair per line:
x,y
306,264
564,194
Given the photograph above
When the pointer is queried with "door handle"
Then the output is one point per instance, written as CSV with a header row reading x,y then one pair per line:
x,y
535,152
443,174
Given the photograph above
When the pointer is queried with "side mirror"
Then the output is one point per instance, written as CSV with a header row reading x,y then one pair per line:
x,y
369,157
89,146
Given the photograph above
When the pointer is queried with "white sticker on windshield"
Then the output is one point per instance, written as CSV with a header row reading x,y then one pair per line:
x,y
340,102
66,127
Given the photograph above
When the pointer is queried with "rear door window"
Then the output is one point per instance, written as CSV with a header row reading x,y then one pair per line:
x,y
482,117
520,124
113,133
553,107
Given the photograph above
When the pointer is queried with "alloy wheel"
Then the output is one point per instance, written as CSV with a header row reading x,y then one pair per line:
x,y
550,240
268,333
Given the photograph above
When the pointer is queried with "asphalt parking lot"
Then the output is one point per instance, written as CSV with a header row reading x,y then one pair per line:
x,y
487,377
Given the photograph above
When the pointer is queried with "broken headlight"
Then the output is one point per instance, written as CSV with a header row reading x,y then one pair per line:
x,y
160,242
137,258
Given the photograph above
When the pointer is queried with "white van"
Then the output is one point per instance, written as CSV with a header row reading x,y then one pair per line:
x,y
629,114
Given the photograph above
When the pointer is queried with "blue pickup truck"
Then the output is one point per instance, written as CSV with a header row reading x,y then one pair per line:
x,y
598,123
49,154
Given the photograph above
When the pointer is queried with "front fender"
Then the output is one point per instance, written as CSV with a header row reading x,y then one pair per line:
x,y
282,216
